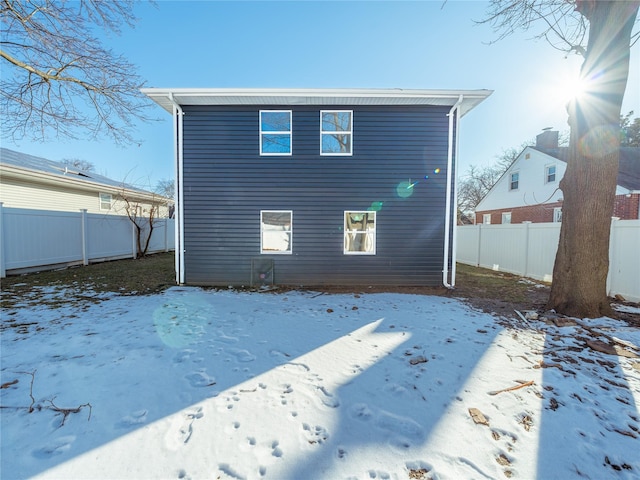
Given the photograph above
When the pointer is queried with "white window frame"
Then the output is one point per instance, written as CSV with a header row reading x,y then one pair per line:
x,y
486,219
506,216
557,215
511,189
289,231
547,168
103,200
371,234
276,132
349,133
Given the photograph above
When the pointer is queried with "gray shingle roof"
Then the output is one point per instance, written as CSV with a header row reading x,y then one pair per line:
x,y
628,171
58,169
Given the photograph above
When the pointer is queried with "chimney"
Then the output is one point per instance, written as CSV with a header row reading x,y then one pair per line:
x,y
547,139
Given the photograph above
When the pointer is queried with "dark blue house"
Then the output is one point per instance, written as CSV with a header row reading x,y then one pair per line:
x,y
316,187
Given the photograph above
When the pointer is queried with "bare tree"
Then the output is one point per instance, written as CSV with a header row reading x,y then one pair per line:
x,y
630,131
143,216
166,188
79,164
58,78
588,186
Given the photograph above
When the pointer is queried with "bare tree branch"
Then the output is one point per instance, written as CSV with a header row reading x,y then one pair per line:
x,y
57,76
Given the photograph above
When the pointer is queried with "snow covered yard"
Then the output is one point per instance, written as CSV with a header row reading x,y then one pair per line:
x,y
194,383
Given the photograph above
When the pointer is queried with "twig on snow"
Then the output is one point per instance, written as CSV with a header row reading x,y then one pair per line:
x,y
522,385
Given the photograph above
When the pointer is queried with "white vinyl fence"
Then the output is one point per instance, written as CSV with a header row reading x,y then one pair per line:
x,y
529,249
32,240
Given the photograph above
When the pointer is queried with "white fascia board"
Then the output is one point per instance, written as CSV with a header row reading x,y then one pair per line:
x,y
251,96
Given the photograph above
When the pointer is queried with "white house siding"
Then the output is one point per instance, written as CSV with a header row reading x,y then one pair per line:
x,y
531,166
16,193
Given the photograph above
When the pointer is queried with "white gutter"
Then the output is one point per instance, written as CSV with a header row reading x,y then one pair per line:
x,y
179,209
447,218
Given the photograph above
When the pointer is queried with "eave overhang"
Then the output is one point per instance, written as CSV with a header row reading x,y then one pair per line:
x,y
167,98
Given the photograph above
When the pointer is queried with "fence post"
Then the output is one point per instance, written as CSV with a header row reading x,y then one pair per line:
x,y
3,271
526,248
85,239
479,244
166,235
134,245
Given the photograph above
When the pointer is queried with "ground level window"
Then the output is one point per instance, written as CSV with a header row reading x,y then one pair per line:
x,y
275,231
486,219
106,201
506,217
360,233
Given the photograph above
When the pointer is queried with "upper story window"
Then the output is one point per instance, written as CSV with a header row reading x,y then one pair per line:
x,y
336,132
275,132
360,233
106,201
275,231
550,174
514,180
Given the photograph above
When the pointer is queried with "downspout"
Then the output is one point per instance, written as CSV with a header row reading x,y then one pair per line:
x,y
178,194
447,219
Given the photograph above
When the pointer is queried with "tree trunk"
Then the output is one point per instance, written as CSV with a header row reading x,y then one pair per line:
x,y
589,184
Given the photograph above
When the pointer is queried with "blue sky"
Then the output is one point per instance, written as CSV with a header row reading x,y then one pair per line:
x,y
331,44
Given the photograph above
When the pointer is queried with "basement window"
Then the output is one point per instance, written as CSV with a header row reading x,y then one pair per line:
x,y
360,233
106,201
336,132
275,231
275,132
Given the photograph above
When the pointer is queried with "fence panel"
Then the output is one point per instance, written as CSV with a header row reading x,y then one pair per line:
x,y
41,239
624,258
530,249
109,236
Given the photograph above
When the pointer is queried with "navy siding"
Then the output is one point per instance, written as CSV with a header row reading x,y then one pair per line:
x,y
226,183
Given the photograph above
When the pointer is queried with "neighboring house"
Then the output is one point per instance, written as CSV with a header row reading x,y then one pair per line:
x,y
529,189
315,187
36,183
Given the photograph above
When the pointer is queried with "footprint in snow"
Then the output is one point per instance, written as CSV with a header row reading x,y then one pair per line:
x,y
200,379
241,355
56,447
181,428
136,418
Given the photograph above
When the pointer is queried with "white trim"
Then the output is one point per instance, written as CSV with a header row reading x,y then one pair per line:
x,y
276,132
452,155
370,234
506,215
485,217
348,132
344,96
289,250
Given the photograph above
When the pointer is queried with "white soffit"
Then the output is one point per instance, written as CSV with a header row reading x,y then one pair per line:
x,y
285,97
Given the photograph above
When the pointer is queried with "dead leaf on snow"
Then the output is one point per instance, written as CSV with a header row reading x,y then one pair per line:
x,y
609,349
478,417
